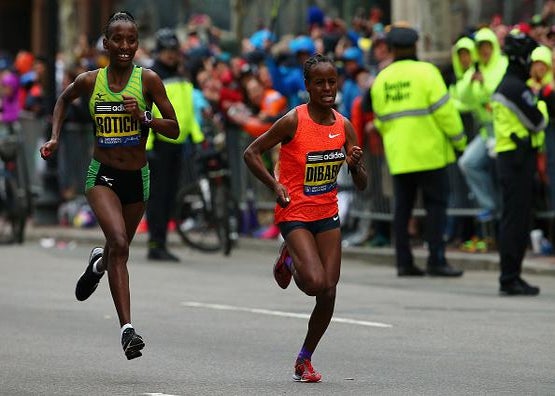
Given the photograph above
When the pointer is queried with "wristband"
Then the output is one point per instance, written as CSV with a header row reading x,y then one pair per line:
x,y
147,118
547,91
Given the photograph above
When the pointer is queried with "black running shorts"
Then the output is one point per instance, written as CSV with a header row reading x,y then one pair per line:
x,y
315,227
130,186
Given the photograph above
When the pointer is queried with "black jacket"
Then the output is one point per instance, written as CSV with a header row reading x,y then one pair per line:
x,y
513,93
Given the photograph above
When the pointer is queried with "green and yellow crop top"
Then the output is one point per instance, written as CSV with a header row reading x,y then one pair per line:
x,y
113,126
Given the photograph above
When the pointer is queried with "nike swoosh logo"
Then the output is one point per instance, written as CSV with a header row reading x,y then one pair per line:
x,y
107,180
335,218
331,136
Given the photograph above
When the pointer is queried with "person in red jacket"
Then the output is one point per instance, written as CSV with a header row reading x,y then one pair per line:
x,y
362,119
270,103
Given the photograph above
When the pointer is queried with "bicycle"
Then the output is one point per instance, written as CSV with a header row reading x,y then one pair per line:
x,y
205,208
15,192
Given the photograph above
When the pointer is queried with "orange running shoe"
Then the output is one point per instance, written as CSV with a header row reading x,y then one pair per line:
x,y
304,372
282,274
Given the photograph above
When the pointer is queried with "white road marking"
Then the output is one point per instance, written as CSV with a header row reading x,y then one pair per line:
x,y
222,307
157,394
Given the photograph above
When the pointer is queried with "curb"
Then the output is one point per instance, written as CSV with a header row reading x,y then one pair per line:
x,y
541,265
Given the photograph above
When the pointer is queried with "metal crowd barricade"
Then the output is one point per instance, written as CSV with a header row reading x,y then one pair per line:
x,y
376,203
250,194
381,199
381,202
31,130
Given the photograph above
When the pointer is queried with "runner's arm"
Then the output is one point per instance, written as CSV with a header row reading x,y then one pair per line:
x,y
82,85
167,125
354,157
279,132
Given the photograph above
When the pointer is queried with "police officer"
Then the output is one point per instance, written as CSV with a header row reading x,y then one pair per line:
x,y
518,126
420,127
166,155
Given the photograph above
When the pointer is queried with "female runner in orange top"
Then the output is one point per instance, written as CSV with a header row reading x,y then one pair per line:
x,y
315,141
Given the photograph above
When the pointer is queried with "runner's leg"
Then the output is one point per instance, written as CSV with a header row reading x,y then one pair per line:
x,y
118,225
317,262
308,271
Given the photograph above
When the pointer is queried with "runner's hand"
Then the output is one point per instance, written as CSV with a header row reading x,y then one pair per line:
x,y
48,148
282,195
353,157
132,106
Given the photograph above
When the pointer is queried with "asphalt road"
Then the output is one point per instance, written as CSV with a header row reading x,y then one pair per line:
x,y
220,326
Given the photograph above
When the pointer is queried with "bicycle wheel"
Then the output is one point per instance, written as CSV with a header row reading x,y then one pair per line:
x,y
12,217
23,204
196,223
18,216
222,214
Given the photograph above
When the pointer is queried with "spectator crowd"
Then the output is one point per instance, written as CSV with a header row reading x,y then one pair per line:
x,y
249,90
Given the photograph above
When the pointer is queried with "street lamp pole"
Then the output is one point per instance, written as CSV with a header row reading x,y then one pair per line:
x,y
46,205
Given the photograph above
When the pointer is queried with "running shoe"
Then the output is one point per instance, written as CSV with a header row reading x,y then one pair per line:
x,y
481,246
132,343
304,372
282,274
88,282
470,245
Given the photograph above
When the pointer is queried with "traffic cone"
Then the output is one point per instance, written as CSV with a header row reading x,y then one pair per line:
x,y
143,226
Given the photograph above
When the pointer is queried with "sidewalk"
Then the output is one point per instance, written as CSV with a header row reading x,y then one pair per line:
x,y
373,256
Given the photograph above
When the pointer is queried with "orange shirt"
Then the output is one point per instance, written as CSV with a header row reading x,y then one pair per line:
x,y
308,166
274,104
359,119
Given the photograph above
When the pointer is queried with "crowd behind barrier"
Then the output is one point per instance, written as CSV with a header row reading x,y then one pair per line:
x,y
245,110
31,130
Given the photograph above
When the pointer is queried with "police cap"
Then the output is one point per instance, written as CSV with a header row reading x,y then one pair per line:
x,y
166,39
519,47
401,37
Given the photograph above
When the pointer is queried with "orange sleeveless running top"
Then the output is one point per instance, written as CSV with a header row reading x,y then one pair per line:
x,y
308,166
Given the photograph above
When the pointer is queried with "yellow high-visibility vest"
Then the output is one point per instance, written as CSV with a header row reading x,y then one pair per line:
x,y
180,94
417,119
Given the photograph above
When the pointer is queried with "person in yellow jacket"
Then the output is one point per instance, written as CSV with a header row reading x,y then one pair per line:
x,y
420,127
541,83
518,124
459,80
477,163
541,69
463,59
165,156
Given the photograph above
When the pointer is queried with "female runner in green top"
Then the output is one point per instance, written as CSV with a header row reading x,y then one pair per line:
x,y
117,185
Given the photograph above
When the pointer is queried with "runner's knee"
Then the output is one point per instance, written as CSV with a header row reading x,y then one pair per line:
x,y
314,284
327,295
118,247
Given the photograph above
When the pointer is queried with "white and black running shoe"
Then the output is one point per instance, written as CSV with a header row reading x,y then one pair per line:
x,y
132,343
88,282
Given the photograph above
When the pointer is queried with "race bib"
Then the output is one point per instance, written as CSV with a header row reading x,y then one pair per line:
x,y
114,126
321,171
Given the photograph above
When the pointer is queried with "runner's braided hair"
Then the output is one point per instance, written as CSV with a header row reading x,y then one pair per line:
x,y
116,17
312,61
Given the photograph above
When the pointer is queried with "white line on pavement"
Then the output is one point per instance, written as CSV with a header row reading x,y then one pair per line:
x,y
157,394
222,307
